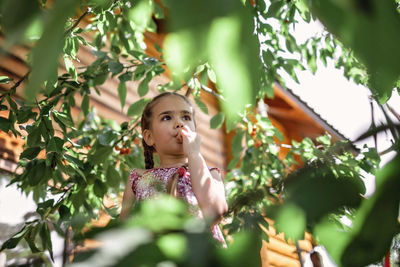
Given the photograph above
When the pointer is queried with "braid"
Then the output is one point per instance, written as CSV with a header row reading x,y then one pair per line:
x,y
148,155
145,123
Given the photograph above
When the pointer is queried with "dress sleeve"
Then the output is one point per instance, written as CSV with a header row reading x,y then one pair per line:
x,y
134,177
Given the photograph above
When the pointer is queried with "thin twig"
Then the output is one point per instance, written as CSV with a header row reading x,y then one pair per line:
x,y
15,86
390,149
210,91
69,30
373,121
397,115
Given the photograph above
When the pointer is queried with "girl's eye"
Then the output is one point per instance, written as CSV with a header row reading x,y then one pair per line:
x,y
166,118
187,118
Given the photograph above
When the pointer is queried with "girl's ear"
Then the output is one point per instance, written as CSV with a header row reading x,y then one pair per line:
x,y
148,137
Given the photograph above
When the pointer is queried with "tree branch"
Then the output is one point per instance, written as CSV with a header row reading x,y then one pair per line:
x,y
15,86
70,29
210,91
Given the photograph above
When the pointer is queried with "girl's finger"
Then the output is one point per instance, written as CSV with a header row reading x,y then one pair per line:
x,y
185,130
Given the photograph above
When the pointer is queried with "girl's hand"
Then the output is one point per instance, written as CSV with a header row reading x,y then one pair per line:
x,y
190,140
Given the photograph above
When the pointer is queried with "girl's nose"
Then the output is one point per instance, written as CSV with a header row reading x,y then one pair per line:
x,y
178,124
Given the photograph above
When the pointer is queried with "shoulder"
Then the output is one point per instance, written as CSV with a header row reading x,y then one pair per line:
x,y
136,174
138,171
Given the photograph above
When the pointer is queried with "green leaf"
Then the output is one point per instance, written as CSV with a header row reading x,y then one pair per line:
x,y
303,10
5,79
377,216
70,67
55,144
233,163
201,105
34,137
100,78
24,114
30,153
115,67
31,236
231,123
174,246
315,188
85,105
137,108
143,87
64,212
125,77
237,143
211,75
141,13
324,139
99,188
46,240
217,120
107,137
15,20
49,46
112,177
4,124
292,221
355,25
12,103
122,93
100,154
245,251
64,118
14,240
36,173
44,207
274,8
233,53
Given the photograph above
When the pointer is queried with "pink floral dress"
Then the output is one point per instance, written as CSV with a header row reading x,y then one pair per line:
x,y
155,180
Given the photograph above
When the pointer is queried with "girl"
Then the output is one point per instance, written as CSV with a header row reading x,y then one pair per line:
x,y
168,129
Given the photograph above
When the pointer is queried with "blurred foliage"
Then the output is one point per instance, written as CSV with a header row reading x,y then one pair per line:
x,y
72,164
162,233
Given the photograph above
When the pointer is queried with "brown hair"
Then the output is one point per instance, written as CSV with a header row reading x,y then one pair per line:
x,y
146,124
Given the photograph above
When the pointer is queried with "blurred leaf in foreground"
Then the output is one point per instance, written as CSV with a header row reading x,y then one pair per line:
x,y
372,30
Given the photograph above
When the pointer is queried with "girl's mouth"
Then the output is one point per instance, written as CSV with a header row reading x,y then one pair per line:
x,y
179,139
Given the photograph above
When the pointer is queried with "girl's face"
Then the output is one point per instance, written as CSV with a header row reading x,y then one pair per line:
x,y
169,115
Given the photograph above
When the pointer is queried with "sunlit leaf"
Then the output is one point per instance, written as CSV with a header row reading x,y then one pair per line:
x,y
5,79
141,13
